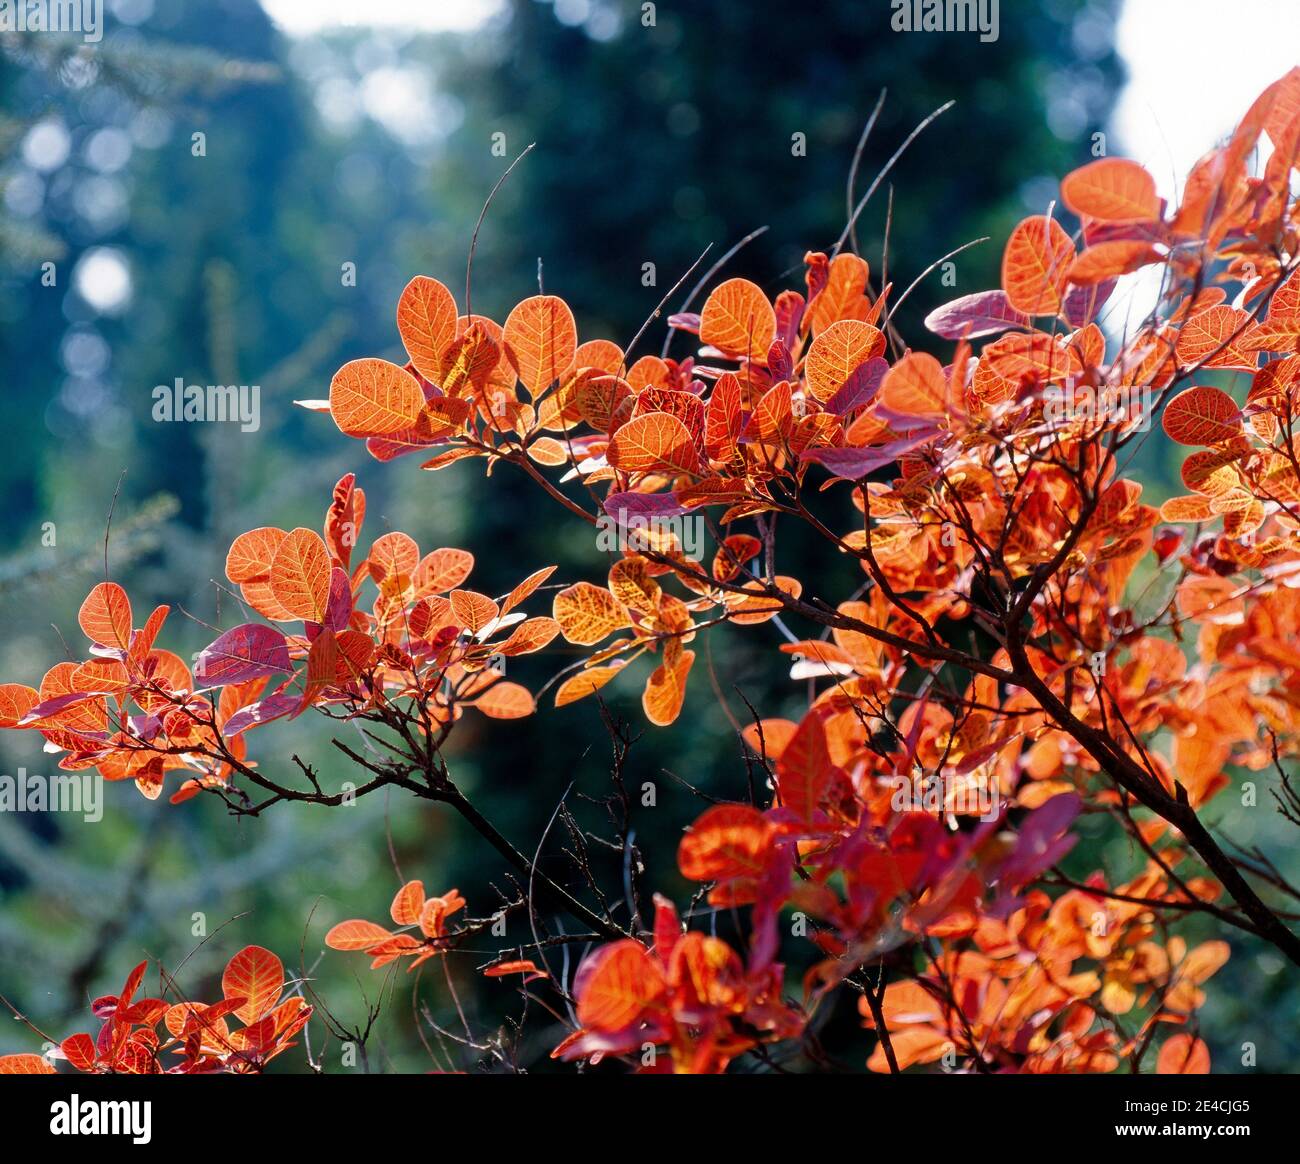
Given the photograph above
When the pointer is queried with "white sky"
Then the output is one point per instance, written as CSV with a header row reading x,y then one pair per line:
x,y
305,16
1194,68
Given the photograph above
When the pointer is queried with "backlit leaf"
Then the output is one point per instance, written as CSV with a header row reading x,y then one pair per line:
x,y
25,1065
1109,259
584,683
251,553
728,840
1202,416
255,975
245,652
836,352
1183,1054
16,700
915,386
654,442
738,320
1112,190
1036,265
356,934
426,321
105,616
442,570
540,340
408,904
587,613
665,690
506,700
300,575
615,984
374,398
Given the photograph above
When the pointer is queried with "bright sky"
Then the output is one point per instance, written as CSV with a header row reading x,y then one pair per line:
x,y
1194,68
304,16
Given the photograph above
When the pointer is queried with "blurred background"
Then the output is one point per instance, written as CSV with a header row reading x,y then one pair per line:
x,y
232,193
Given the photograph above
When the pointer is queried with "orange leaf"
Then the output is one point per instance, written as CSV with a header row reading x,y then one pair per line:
x,y
442,570
519,966
727,841
540,340
548,451
437,910
757,605
80,1051
1112,190
587,613
393,553
105,616
600,397
1202,416
739,321
1219,337
654,442
255,975
805,769
25,1065
836,352
842,296
1182,1054
615,984
408,904
471,360
300,575
251,553
733,553
473,610
584,683
16,700
530,635
665,690
506,701
915,386
525,588
356,934
374,398
426,321
1109,259
1036,265
1193,507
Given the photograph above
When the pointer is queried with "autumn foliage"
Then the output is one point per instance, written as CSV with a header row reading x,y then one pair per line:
x,y
239,1034
1031,642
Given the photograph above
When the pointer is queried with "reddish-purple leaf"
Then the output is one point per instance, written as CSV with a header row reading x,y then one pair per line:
x,y
248,651
860,388
853,463
972,316
622,506
263,711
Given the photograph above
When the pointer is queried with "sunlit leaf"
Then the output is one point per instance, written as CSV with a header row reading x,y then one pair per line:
x,y
1036,265
540,340
374,398
300,575
738,320
257,976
